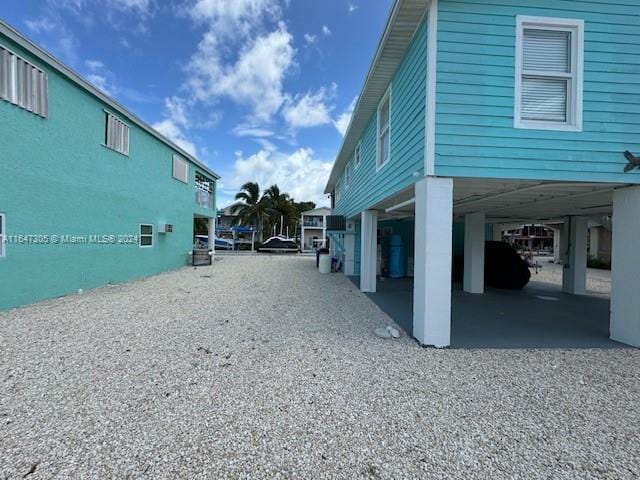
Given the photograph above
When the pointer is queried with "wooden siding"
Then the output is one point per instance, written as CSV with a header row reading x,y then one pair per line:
x,y
475,136
368,187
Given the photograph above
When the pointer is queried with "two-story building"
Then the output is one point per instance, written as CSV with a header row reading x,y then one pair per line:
x,y
479,114
89,193
313,229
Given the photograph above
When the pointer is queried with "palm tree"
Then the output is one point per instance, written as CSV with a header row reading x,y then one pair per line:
x,y
280,206
253,209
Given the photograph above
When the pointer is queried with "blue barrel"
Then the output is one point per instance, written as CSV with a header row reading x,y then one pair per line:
x,y
397,258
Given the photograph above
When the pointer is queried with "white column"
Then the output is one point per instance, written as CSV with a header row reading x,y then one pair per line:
x,y
432,261
594,236
625,267
474,234
574,273
349,254
211,233
557,245
497,232
369,251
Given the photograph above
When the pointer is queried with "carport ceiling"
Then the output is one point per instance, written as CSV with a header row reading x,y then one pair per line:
x,y
531,200
515,200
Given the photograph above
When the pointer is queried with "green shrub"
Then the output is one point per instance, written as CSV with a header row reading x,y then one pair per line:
x,y
594,262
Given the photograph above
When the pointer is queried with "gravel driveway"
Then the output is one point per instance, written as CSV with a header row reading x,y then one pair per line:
x,y
259,367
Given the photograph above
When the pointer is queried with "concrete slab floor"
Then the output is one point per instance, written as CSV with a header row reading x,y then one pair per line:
x,y
539,316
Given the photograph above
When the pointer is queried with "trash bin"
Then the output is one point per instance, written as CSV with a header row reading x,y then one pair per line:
x,y
319,252
324,263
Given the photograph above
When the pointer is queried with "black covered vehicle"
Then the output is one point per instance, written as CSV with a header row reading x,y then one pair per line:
x,y
279,244
503,267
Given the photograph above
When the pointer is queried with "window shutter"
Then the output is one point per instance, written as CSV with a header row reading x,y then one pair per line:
x,y
547,50
180,169
544,99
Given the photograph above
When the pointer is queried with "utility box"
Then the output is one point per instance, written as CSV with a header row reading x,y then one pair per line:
x,y
165,228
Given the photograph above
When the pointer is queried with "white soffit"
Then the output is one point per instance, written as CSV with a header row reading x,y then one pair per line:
x,y
401,25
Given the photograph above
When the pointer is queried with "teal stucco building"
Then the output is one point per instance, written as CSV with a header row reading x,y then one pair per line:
x,y
480,115
89,193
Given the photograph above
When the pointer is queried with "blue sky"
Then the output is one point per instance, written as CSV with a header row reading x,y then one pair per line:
x,y
258,89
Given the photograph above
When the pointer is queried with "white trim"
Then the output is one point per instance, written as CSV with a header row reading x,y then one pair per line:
x,y
387,96
357,154
576,91
3,235
432,72
140,235
125,141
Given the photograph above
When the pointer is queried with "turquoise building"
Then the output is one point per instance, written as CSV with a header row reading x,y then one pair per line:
x,y
479,115
89,194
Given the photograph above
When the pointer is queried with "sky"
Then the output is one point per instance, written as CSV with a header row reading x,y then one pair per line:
x,y
259,90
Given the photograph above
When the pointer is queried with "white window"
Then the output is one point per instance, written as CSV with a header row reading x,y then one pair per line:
x,y
384,130
357,155
3,234
549,73
338,191
180,169
146,236
116,134
22,83
347,175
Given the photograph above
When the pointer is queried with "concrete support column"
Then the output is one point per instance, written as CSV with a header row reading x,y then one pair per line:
x,y
497,232
557,246
594,236
574,274
349,255
432,261
474,234
369,251
625,265
211,233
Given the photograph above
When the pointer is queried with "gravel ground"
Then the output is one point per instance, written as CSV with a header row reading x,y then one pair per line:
x,y
598,281
243,370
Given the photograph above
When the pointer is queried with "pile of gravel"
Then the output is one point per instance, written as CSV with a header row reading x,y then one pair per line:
x,y
260,367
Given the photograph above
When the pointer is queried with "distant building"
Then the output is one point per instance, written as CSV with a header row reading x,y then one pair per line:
x,y
313,229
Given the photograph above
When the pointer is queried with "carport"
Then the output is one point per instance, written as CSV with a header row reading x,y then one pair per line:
x,y
540,315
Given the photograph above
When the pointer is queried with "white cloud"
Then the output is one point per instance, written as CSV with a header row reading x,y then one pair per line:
x,y
244,130
310,109
298,173
310,39
326,30
342,122
256,77
352,8
177,111
173,132
41,25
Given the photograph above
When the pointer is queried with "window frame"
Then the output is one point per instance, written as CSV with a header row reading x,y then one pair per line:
x,y
338,190
140,235
357,154
106,133
3,234
385,98
575,79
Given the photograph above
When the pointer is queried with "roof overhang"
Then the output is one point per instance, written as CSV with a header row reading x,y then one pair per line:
x,y
42,55
403,20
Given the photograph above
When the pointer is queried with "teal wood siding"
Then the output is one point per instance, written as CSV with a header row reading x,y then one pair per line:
x,y
407,137
475,136
56,178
